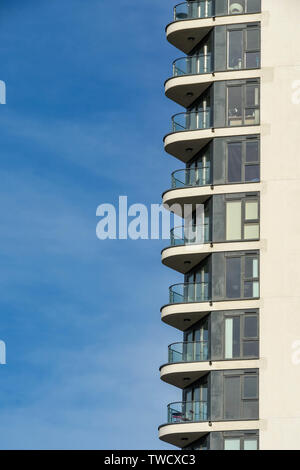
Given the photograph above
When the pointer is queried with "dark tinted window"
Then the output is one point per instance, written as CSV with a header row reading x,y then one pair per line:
x,y
234,162
233,277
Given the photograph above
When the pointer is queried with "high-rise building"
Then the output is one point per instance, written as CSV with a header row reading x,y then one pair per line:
x,y
238,306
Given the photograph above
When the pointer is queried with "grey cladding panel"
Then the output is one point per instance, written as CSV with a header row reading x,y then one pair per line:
x,y
220,48
219,100
219,161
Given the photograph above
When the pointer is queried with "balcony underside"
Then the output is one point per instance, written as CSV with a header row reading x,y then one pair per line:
x,y
186,34
184,434
175,199
184,145
183,374
179,89
186,257
184,315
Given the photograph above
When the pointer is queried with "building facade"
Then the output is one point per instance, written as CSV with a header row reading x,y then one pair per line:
x,y
237,368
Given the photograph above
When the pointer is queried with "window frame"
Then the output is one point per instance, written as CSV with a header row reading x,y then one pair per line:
x,y
243,279
243,436
242,315
244,85
244,222
244,28
244,163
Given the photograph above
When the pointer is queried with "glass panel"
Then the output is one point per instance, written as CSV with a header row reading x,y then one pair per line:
x,y
233,277
232,444
250,386
251,267
236,337
252,95
234,162
252,151
251,231
235,49
255,289
252,36
255,267
228,338
250,444
235,105
251,210
250,327
248,289
236,7
250,349
253,6
232,397
234,220
252,60
252,173
251,116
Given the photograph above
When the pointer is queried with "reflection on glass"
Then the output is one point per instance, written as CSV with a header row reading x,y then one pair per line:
x,y
235,46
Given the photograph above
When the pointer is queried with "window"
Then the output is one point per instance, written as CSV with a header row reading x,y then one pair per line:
x,y
232,337
251,220
195,400
242,219
235,49
243,104
250,389
233,277
251,283
197,284
241,336
232,444
241,441
198,171
234,220
243,47
240,394
243,161
250,444
250,344
239,7
242,276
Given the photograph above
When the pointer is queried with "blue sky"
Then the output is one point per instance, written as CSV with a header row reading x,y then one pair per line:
x,y
83,124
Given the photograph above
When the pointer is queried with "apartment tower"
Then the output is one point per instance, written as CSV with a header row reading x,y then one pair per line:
x,y
237,369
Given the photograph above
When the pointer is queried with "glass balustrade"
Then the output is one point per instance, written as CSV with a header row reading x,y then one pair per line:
x,y
182,412
189,235
199,64
188,352
189,292
191,121
191,177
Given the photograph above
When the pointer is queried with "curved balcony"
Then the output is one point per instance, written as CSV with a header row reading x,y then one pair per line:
x,y
191,131
190,244
195,186
192,75
190,302
198,363
193,20
183,432
187,361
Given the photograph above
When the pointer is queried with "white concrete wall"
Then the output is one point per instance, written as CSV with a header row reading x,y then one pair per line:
x,y
280,226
